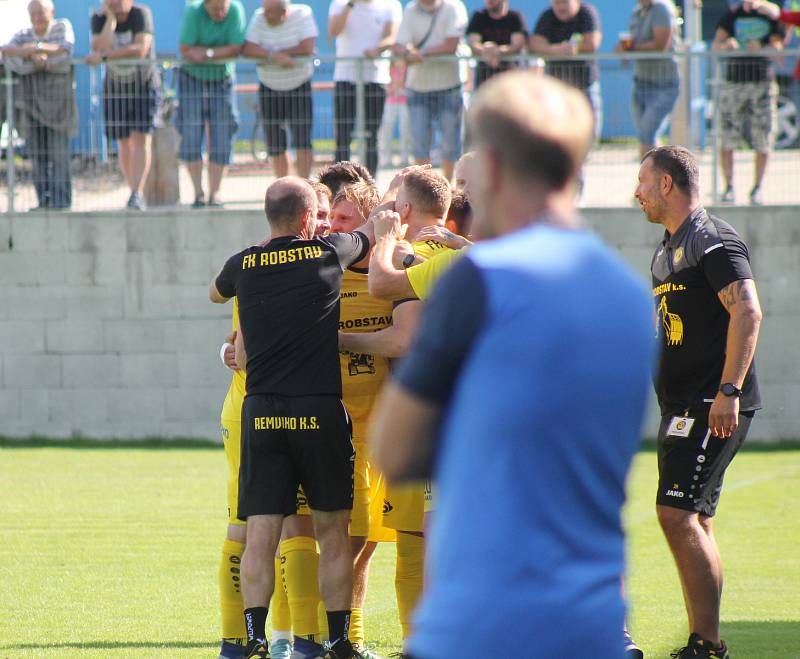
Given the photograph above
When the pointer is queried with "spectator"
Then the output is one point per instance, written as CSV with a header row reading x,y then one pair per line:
x,y
395,115
45,100
749,93
211,30
570,27
124,30
278,33
494,33
362,28
656,84
430,28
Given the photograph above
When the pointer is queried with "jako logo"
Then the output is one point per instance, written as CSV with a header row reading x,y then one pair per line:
x,y
675,493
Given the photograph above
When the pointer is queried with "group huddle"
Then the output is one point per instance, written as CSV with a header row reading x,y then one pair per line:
x,y
376,330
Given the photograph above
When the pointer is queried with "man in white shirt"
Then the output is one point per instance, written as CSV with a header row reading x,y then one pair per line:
x,y
362,28
278,33
430,28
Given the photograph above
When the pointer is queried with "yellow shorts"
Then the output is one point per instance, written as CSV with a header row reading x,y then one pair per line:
x,y
369,489
232,439
430,497
404,506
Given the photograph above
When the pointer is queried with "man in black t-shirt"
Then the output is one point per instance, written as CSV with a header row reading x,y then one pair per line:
x,y
494,33
131,92
571,27
748,96
707,328
295,429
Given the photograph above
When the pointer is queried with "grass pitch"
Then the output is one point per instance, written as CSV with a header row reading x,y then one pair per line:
x,y
114,553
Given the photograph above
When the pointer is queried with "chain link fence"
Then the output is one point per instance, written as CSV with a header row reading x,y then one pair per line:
x,y
77,140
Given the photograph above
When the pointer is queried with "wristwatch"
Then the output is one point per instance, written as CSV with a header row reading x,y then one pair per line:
x,y
730,390
409,259
209,53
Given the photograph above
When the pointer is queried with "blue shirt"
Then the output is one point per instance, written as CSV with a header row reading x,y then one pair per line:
x,y
539,347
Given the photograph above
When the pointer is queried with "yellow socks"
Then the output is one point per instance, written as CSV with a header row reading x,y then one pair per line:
x,y
279,608
230,590
356,633
299,568
408,577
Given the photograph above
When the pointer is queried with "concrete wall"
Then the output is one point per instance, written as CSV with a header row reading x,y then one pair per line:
x,y
106,329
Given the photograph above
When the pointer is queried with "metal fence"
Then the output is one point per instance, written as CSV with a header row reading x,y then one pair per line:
x,y
89,157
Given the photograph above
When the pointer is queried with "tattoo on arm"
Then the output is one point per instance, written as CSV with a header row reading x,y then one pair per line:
x,y
738,291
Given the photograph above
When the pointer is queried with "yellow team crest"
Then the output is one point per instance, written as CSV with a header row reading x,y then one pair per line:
x,y
673,325
676,258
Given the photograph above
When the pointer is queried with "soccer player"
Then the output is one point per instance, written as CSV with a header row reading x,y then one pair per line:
x,y
422,198
343,173
232,611
516,414
708,322
295,430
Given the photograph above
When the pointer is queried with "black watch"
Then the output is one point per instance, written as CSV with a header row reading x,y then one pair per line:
x,y
730,390
409,259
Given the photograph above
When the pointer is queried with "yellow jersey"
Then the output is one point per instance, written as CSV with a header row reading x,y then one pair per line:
x,y
232,407
362,374
429,248
423,276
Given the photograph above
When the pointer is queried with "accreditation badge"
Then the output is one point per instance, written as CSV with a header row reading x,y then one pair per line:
x,y
680,426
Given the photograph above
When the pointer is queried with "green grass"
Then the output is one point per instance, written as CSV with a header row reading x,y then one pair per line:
x,y
113,553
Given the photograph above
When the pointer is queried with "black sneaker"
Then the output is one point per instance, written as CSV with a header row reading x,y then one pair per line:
x,y
256,650
756,197
728,197
135,202
699,648
632,651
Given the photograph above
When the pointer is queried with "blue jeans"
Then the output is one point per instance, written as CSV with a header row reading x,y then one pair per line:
x,y
201,101
651,106
431,110
595,97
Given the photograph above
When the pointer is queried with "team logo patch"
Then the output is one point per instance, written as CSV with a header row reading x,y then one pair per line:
x,y
676,258
387,507
672,322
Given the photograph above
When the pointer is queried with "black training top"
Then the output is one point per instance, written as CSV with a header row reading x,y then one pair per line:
x,y
689,268
497,30
578,73
288,294
747,26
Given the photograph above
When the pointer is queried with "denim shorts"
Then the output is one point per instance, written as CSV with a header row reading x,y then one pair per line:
x,y
440,110
201,101
651,106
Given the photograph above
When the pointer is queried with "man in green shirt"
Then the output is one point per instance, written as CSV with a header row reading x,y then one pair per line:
x,y
212,31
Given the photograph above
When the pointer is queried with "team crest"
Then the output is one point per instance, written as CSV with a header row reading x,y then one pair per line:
x,y
676,259
361,364
673,325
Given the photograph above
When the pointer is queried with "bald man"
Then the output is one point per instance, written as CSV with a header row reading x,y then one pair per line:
x,y
295,429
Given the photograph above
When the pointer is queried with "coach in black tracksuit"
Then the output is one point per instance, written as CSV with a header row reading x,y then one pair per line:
x,y
295,429
708,317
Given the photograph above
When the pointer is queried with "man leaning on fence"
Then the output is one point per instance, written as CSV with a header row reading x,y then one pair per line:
x,y
44,100
432,28
279,33
122,30
493,33
211,31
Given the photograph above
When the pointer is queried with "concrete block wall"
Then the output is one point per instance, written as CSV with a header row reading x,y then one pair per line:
x,y
106,329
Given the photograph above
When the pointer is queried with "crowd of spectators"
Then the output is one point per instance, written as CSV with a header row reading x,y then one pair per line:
x,y
391,49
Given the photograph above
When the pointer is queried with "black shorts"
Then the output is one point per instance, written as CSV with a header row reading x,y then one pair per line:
x,y
691,469
129,106
292,107
291,441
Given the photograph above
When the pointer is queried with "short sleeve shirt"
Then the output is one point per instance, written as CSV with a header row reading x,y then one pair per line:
x,y
298,26
59,32
423,276
139,21
450,21
363,30
689,268
661,13
199,29
747,26
288,296
580,74
497,30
